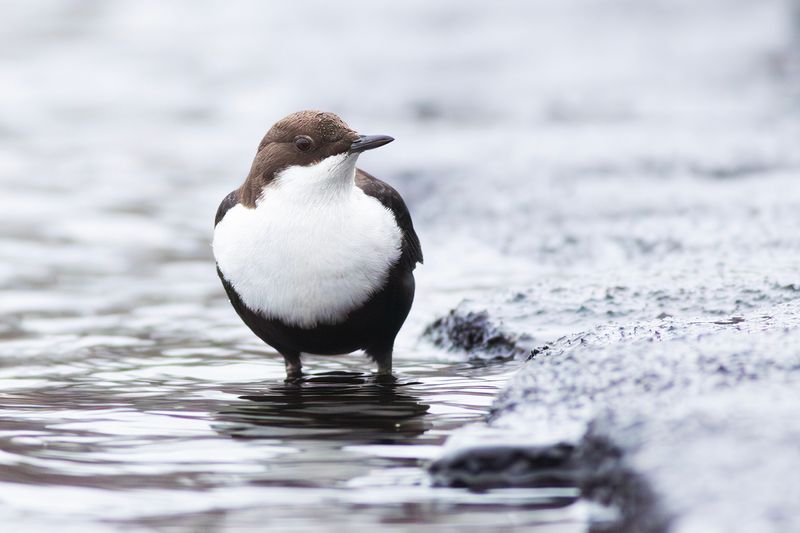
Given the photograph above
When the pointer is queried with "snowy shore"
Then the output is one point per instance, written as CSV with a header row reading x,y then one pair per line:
x,y
680,425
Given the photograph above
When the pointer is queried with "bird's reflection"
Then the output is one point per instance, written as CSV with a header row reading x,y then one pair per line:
x,y
338,407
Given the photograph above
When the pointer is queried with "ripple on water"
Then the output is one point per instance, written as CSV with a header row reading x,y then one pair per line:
x,y
202,432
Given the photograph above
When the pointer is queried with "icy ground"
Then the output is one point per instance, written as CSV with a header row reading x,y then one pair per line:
x,y
663,307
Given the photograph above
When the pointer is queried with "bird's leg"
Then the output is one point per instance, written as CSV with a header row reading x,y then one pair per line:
x,y
294,368
382,356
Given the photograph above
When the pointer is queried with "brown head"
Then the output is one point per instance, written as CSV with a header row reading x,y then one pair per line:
x,y
302,139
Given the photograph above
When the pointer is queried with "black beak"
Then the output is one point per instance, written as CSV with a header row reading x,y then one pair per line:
x,y
368,142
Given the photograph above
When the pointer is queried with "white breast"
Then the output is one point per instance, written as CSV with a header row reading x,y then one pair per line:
x,y
315,247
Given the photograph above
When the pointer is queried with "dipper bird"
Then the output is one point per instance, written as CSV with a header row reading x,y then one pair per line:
x,y
316,255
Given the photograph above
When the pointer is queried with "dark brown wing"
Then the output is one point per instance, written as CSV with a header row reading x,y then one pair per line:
x,y
391,199
229,201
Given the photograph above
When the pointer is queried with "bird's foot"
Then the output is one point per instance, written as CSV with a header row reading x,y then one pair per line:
x,y
385,371
294,369
383,357
294,375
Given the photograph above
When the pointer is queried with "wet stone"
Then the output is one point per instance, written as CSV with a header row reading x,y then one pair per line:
x,y
488,467
475,333
674,422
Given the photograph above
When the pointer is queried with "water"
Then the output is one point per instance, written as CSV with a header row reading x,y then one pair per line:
x,y
601,159
215,441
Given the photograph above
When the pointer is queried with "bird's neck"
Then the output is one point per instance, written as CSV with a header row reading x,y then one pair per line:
x,y
328,181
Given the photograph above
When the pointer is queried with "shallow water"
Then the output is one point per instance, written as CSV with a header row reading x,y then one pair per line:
x,y
211,441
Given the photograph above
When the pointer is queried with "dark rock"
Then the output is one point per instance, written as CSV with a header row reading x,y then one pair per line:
x,y
606,478
475,333
730,321
537,351
487,467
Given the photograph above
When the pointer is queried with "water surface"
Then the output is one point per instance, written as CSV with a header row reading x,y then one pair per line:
x,y
218,441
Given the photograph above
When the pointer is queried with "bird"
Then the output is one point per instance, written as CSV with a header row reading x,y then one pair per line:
x,y
316,255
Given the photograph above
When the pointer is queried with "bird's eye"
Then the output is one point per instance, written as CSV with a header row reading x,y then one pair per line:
x,y
303,143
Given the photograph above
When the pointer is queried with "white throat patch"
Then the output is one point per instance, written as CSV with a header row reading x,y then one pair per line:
x,y
314,248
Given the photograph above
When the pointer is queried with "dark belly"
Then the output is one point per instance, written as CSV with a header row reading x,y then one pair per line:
x,y
375,324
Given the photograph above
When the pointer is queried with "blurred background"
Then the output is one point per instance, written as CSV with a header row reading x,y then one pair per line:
x,y
559,134
554,149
